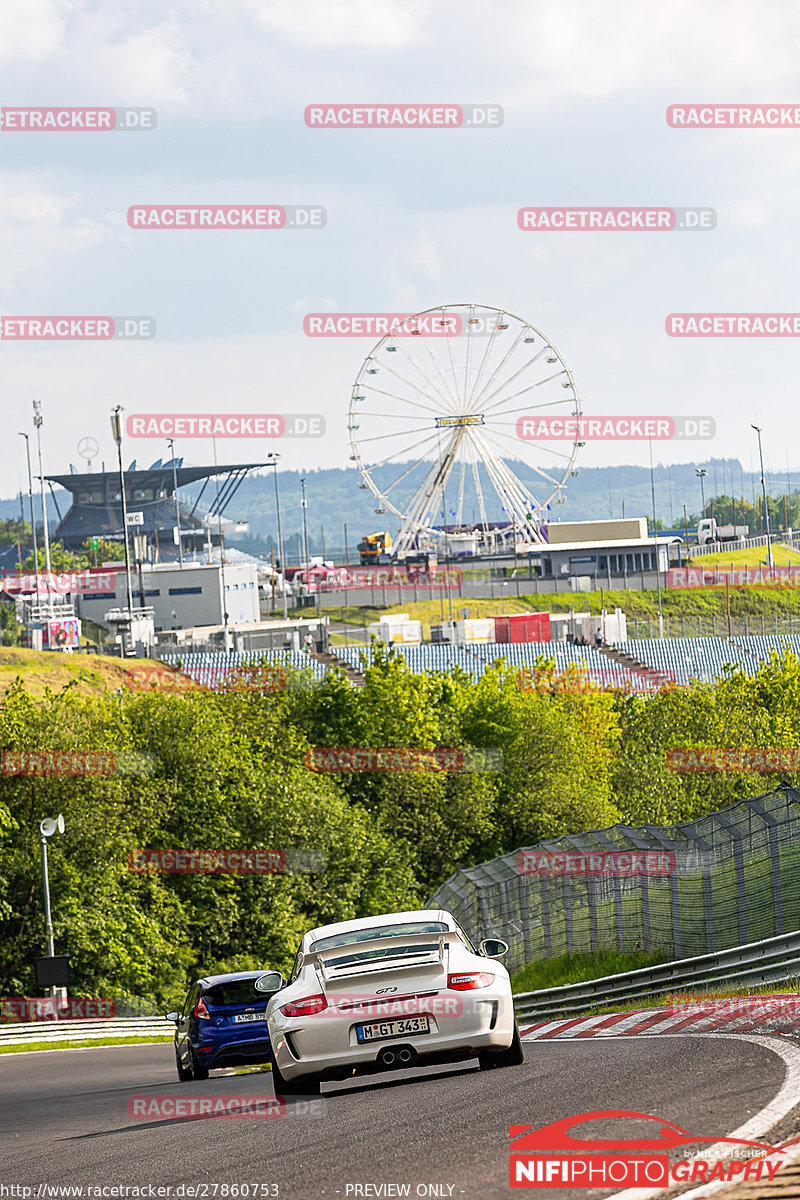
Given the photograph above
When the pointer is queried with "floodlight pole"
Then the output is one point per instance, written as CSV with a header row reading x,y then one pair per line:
x,y
116,430
274,456
171,444
37,421
655,543
759,431
48,919
33,519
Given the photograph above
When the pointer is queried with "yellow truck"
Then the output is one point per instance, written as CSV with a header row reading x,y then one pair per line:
x,y
373,547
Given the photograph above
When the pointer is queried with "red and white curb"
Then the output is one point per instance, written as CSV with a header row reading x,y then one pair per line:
x,y
756,1017
757,1128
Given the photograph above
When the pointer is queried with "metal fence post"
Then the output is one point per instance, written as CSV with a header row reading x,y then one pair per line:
x,y
568,909
676,916
618,913
524,914
591,894
644,891
548,940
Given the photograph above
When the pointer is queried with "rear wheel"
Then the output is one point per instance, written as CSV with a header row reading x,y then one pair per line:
x,y
184,1073
199,1070
514,1056
303,1085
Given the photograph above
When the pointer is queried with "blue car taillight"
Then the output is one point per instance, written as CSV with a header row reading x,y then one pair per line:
x,y
200,1010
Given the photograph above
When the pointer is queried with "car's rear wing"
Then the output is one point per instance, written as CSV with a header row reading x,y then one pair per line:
x,y
323,959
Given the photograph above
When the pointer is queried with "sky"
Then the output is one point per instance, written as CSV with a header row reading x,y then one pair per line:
x,y
415,218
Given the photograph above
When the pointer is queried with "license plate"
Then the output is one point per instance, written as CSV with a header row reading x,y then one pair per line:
x,y
378,1030
241,1017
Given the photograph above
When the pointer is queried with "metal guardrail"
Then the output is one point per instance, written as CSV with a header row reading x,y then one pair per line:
x,y
769,961
17,1033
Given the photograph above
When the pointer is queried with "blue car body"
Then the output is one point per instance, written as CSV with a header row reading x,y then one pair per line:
x,y
222,1024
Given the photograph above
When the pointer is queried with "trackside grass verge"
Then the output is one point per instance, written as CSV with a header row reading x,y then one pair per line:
x,y
86,1043
578,968
788,987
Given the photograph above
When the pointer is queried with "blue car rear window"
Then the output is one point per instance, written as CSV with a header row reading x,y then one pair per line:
x,y
236,991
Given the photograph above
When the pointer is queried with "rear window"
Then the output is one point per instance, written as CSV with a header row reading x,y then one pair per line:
x,y
236,991
355,936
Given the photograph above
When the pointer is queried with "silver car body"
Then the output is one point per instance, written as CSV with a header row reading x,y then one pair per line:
x,y
387,987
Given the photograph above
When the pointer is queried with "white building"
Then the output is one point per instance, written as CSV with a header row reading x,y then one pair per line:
x,y
183,596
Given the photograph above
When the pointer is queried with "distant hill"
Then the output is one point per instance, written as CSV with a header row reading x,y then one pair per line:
x,y
335,499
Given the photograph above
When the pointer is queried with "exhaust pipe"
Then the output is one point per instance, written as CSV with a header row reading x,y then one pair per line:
x,y
405,1056
387,1058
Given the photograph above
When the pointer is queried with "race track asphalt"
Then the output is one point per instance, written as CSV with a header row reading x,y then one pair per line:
x,y
64,1118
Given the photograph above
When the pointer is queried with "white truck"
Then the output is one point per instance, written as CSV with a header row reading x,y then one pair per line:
x,y
709,531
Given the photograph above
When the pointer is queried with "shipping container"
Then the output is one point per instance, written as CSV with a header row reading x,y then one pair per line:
x,y
523,627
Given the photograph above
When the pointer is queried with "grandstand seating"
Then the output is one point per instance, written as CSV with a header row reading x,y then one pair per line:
x,y
680,659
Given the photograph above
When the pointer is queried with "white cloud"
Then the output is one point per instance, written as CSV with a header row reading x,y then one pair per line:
x,y
579,48
35,228
153,66
33,30
371,24
427,256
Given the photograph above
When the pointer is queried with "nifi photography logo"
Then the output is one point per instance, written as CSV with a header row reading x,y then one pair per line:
x,y
551,1157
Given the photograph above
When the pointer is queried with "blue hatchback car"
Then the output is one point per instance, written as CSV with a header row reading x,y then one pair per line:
x,y
223,1022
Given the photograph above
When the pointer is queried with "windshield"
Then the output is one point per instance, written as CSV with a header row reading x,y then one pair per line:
x,y
354,936
235,991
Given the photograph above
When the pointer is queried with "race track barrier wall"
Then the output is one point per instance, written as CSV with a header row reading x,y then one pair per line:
x,y
724,880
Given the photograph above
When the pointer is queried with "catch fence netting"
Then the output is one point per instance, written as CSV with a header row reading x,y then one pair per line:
x,y
722,880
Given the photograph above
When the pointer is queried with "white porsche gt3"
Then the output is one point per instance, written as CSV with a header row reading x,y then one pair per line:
x,y
389,992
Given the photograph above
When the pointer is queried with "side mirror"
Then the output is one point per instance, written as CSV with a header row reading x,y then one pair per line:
x,y
174,1017
272,981
493,948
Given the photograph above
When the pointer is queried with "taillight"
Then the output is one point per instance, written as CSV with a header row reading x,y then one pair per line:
x,y
201,1011
469,980
305,1007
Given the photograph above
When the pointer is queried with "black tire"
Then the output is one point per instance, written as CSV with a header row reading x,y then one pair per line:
x,y
514,1056
199,1071
303,1085
184,1073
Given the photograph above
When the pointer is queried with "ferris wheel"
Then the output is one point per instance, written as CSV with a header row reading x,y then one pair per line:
x,y
437,401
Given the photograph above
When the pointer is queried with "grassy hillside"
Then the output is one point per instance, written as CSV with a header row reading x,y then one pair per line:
x,y
694,602
88,673
752,556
